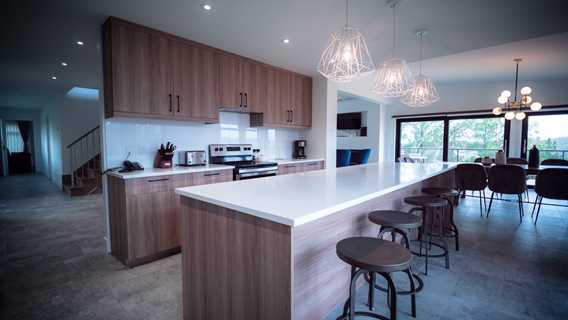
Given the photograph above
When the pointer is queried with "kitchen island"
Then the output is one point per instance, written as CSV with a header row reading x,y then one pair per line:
x,y
265,248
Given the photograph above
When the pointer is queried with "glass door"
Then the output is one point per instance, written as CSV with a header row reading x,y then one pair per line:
x,y
473,138
421,140
548,131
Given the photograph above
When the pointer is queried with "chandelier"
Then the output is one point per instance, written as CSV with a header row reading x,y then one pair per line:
x,y
512,108
346,55
423,91
393,79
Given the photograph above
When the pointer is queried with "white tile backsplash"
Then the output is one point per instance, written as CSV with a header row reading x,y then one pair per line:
x,y
142,137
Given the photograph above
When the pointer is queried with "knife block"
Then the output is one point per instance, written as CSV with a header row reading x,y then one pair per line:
x,y
163,160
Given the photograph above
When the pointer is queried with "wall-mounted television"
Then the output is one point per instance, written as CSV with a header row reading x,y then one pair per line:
x,y
349,121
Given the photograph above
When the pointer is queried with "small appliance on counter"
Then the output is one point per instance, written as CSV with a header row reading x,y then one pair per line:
x,y
300,149
164,156
192,158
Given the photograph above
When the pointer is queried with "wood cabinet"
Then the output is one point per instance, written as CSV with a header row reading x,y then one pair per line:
x,y
148,73
144,214
151,74
289,168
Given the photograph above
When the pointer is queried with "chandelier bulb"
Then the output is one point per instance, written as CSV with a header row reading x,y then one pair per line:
x,y
497,111
536,106
502,99
525,91
520,116
506,93
509,115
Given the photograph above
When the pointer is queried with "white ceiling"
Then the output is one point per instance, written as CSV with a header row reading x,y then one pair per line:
x,y
37,35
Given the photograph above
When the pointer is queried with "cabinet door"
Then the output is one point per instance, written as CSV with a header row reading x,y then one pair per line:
x,y
257,92
195,82
140,70
153,223
285,97
303,107
272,112
230,93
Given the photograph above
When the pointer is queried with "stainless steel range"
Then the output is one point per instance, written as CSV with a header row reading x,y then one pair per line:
x,y
241,156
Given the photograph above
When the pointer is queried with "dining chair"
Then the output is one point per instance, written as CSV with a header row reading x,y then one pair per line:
x,y
472,177
507,179
360,156
554,162
551,184
343,158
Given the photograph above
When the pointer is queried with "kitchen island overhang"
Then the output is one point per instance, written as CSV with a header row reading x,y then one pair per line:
x,y
265,248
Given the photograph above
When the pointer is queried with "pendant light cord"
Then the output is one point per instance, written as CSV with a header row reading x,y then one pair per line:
x,y
346,13
516,80
421,51
393,30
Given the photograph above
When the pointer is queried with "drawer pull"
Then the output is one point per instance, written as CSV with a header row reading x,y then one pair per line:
x,y
211,174
313,164
157,180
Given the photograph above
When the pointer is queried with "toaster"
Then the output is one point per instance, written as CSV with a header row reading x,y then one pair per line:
x,y
192,158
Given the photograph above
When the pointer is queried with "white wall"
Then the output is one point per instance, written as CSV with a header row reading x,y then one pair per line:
x,y
322,135
142,137
372,117
34,116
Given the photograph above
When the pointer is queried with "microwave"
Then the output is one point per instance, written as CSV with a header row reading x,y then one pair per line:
x,y
192,158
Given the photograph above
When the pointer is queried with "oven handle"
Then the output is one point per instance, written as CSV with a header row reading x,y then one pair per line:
x,y
263,169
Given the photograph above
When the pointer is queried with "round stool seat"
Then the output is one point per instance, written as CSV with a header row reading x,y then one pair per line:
x,y
436,191
426,201
374,254
395,219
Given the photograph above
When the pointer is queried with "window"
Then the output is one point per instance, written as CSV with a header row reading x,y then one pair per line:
x,y
422,141
469,139
549,133
455,138
14,141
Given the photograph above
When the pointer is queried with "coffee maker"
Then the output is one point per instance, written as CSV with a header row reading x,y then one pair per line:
x,y
300,149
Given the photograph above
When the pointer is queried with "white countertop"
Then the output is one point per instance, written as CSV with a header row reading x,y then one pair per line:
x,y
299,198
154,172
292,161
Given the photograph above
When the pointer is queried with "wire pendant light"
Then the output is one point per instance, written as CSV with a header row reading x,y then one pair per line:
x,y
393,79
346,56
422,91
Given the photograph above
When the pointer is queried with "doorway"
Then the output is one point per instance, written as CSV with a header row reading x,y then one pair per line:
x,y
19,147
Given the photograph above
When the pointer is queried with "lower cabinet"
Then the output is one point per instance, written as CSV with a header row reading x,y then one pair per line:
x,y
145,214
300,167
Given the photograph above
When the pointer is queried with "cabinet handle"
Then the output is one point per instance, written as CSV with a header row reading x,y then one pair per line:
x,y
246,100
292,113
157,180
241,94
289,116
313,164
211,174
170,96
179,108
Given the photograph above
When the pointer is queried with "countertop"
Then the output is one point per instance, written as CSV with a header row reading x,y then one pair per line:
x,y
154,172
299,198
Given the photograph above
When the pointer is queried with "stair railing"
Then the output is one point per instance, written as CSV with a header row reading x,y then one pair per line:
x,y
83,149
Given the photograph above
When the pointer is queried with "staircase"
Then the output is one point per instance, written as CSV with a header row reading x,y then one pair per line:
x,y
85,161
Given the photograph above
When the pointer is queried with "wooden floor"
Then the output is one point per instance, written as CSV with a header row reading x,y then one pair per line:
x,y
53,264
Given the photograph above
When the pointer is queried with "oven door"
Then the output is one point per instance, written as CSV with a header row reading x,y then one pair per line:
x,y
251,173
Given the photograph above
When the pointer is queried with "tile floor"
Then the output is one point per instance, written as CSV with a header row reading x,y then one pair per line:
x,y
53,264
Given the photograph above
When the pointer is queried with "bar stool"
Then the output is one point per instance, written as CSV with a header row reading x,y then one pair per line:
x,y
397,222
433,211
453,198
374,256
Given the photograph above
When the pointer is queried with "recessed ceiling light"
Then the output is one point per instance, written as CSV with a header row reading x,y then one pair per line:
x,y
207,7
286,41
53,78
80,43
64,64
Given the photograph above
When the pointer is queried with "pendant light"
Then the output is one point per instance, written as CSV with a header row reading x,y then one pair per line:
x,y
393,79
346,55
422,91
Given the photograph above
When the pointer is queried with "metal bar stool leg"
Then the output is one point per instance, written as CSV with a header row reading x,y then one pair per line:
x,y
372,291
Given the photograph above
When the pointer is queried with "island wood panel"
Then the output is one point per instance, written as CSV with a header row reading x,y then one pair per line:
x,y
320,278
235,266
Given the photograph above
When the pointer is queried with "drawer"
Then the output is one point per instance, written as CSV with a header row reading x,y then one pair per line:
x,y
316,165
149,185
208,177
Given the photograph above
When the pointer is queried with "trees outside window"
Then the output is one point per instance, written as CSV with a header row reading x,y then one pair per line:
x,y
475,138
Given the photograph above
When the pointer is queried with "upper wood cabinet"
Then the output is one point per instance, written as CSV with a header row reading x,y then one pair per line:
x,y
148,73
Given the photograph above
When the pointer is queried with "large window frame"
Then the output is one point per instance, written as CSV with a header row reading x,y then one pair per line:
x,y
525,127
446,119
